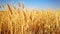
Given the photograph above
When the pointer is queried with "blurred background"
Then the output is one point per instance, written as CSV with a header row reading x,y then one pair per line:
x,y
40,4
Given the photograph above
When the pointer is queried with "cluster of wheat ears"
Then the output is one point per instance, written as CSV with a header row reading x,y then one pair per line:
x,y
26,21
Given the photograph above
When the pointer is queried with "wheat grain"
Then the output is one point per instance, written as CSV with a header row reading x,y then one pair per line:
x,y
29,21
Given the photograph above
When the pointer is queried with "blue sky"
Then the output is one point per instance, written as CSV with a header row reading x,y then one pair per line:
x,y
41,4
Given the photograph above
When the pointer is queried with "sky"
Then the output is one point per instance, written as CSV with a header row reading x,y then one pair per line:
x,y
41,4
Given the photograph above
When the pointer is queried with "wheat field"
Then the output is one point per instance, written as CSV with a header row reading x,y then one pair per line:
x,y
26,21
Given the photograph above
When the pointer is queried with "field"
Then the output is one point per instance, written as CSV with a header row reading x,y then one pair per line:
x,y
29,21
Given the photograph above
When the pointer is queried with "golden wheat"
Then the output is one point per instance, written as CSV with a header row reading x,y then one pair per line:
x,y
25,21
